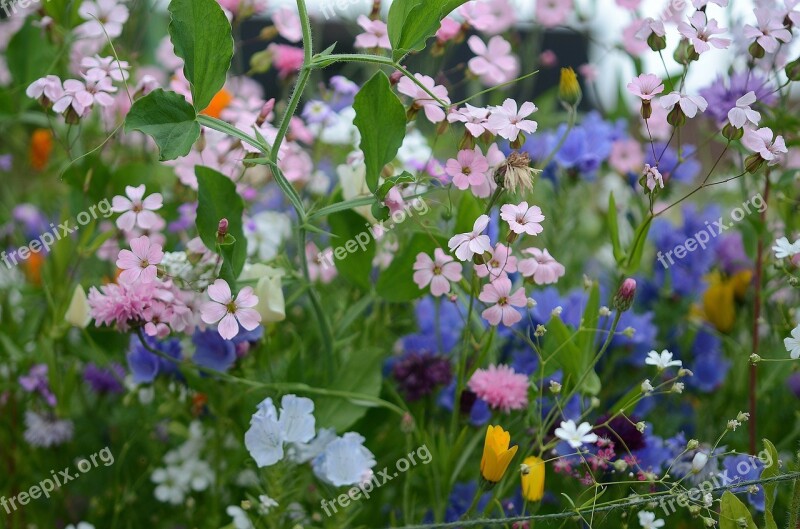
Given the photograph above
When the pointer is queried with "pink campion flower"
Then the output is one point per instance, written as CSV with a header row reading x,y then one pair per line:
x,y
100,67
103,17
548,59
791,11
688,104
475,119
320,263
742,113
652,177
626,156
500,263
286,59
489,16
769,29
437,272
157,316
588,71
494,63
499,293
542,266
523,218
469,168
551,13
507,121
136,210
433,111
701,33
228,312
630,40
468,244
650,26
46,90
501,387
287,22
448,30
101,90
376,34
646,86
75,96
139,263
760,141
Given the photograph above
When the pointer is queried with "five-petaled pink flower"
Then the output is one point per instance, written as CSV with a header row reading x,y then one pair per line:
x,y
494,63
769,30
646,86
523,218
475,119
438,272
469,168
499,293
230,313
135,210
542,267
701,33
509,122
431,107
760,141
139,264
500,263
375,35
466,245
688,104
742,113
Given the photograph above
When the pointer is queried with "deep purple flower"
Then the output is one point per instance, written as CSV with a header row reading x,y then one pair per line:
x,y
469,404
723,93
419,374
36,381
731,254
105,380
622,432
794,384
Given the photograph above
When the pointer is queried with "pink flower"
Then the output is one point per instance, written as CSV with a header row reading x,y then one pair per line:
x,y
542,267
501,387
742,113
47,88
630,41
701,33
588,71
135,211
495,64
509,122
760,141
467,245
320,264
550,13
633,5
500,263
626,156
469,168
121,303
101,90
769,31
548,58
476,120
652,177
227,311
157,316
376,34
523,219
433,111
141,262
700,4
287,59
650,26
76,96
791,12
689,104
646,86
448,29
287,22
490,16
99,67
438,272
499,293
103,17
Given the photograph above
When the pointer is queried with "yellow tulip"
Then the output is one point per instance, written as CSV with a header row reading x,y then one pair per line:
x,y
533,472
569,90
741,281
496,454
719,306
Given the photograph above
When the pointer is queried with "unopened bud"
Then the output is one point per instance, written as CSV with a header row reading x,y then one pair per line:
x,y
656,42
222,230
569,90
753,163
732,133
676,117
756,50
647,109
793,70
624,298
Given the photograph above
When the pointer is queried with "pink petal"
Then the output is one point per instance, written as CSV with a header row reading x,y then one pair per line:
x,y
228,327
212,312
127,221
154,201
423,277
249,318
493,314
126,259
220,292
246,298
440,286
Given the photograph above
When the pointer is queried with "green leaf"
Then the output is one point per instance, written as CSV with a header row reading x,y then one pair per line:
x,y
770,488
396,283
413,22
613,228
567,354
29,55
361,373
169,119
217,199
732,511
64,12
404,178
381,120
469,209
591,315
201,35
639,241
356,246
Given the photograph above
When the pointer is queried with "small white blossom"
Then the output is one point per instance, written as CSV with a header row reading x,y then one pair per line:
x,y
662,360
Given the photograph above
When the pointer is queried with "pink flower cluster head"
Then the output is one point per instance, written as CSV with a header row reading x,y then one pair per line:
x,y
501,387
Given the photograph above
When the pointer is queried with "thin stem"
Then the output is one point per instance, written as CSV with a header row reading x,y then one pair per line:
x,y
753,374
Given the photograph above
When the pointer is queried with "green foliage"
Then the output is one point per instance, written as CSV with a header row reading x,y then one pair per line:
x,y
412,22
562,347
29,56
169,119
360,373
396,283
217,199
734,514
770,488
353,238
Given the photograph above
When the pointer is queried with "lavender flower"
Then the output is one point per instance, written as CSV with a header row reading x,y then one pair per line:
x,y
418,374
104,380
36,381
46,430
723,93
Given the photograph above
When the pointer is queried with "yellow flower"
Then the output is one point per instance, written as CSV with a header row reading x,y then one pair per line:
x,y
533,472
740,281
718,303
496,454
569,90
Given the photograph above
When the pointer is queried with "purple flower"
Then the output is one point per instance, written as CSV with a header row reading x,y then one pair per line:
x,y
213,351
105,380
188,214
146,366
36,381
723,93
793,382
731,254
6,160
622,432
419,374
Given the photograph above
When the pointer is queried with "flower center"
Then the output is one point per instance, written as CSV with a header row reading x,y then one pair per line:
x,y
502,301
437,270
231,307
144,263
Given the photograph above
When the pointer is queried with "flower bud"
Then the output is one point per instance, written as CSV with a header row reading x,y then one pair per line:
x,y
732,133
624,298
647,109
699,462
676,117
692,444
569,90
222,230
532,474
756,51
78,311
656,42
793,70
753,163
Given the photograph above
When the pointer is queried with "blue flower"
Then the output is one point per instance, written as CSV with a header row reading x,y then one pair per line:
x,y
745,468
479,412
146,366
710,367
461,498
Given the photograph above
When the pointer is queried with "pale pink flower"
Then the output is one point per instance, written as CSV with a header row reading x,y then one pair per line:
x,y
653,177
230,313
501,387
157,315
542,267
135,210
742,113
320,263
489,16
121,303
103,17
626,156
140,263
791,11
499,293
448,29
701,33
548,59
287,22
468,244
500,263
433,111
101,90
551,13
760,141
649,27
495,64
475,119
769,30
376,34
646,86
437,272
99,67
76,96
508,122
588,71
688,104
286,59
523,218
47,88
630,40
469,168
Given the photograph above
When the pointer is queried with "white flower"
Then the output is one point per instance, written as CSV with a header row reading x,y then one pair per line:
x,y
785,249
761,141
699,462
81,525
345,461
678,387
793,344
647,387
297,419
269,430
742,113
265,232
240,519
576,436
648,520
662,360
172,486
688,104
467,245
509,120
265,504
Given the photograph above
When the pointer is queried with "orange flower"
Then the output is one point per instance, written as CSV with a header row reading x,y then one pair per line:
x,y
219,103
41,148
496,454
33,268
